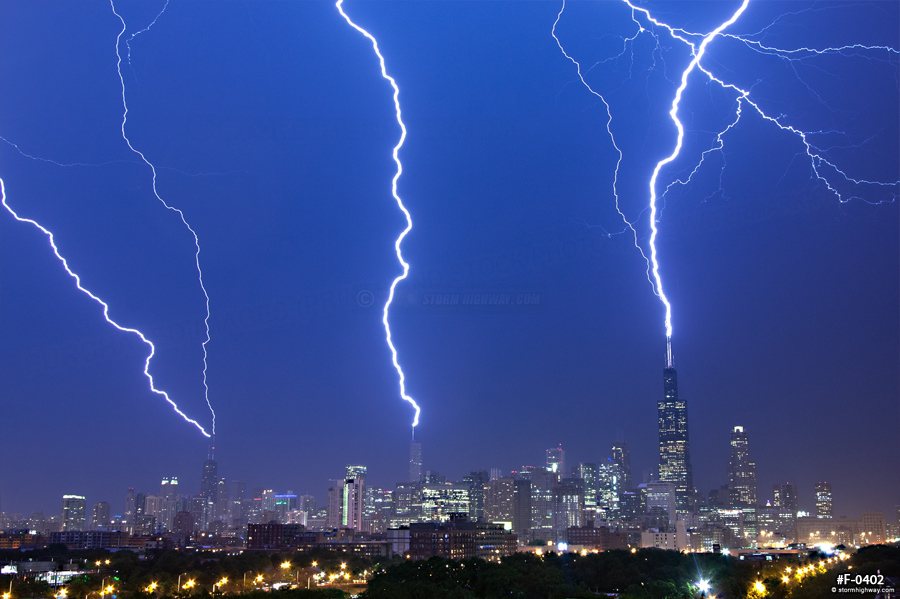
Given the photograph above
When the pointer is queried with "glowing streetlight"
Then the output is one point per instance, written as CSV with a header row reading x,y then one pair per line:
x,y
759,587
151,587
703,586
285,565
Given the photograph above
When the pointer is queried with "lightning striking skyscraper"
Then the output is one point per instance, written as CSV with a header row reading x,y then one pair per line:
x,y
403,263
823,169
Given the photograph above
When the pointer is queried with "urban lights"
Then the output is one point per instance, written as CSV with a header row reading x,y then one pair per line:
x,y
703,586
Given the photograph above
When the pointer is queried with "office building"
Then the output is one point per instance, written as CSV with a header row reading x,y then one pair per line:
x,y
169,487
741,471
100,515
499,500
415,462
621,457
674,442
72,516
824,501
556,461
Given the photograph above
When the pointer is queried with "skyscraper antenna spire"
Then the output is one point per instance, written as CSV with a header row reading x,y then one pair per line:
x,y
670,360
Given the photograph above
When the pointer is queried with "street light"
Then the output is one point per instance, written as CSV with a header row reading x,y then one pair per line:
x,y
703,586
219,584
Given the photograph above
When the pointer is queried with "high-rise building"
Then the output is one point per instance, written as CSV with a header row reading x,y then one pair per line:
x,y
556,460
334,506
415,462
542,484
568,507
785,497
72,516
609,490
209,477
476,480
356,472
499,500
787,505
222,494
674,443
209,483
129,505
353,495
824,501
522,507
168,489
100,515
589,473
621,457
741,471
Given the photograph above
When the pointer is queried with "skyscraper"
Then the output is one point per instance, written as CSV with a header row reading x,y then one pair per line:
x,y
499,500
129,505
209,477
556,460
169,487
100,516
209,481
786,504
73,512
741,471
415,462
589,473
621,457
353,497
824,501
674,444
476,481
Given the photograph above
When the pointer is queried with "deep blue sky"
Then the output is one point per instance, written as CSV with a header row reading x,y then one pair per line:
x,y
272,129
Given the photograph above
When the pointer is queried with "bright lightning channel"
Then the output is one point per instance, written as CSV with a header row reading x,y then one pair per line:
x,y
396,155
156,192
820,166
105,306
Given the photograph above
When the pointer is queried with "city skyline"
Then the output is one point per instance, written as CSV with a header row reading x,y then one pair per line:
x,y
270,125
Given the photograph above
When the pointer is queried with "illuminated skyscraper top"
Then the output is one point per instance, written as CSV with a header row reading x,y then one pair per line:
x,y
674,443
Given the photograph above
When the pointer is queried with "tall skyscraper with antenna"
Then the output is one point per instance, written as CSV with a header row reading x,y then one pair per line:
x,y
674,443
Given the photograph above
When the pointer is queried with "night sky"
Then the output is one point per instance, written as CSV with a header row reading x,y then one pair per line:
x,y
271,127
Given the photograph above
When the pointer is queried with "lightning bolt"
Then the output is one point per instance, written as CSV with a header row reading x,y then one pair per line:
x,y
822,168
105,306
156,192
77,278
403,263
